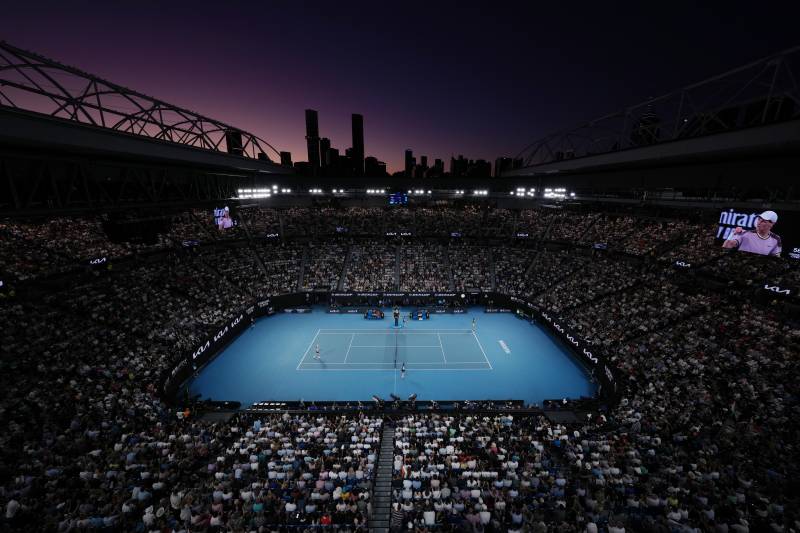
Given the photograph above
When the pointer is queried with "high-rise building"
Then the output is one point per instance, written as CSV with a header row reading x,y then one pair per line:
x,y
358,145
423,162
312,140
324,146
502,164
286,159
438,168
479,168
374,168
333,156
409,163
458,167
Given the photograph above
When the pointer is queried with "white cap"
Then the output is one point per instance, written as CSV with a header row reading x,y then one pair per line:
x,y
772,216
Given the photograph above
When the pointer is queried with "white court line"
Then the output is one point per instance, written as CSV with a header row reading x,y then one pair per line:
x,y
351,363
484,353
399,332
439,336
449,363
353,336
388,334
384,346
306,352
321,364
484,369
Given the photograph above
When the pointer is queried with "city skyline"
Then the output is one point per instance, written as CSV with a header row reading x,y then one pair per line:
x,y
443,80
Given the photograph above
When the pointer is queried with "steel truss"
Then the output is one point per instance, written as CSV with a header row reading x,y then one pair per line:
x,y
760,93
35,83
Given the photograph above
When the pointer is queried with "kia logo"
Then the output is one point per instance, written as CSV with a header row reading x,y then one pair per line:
x,y
775,288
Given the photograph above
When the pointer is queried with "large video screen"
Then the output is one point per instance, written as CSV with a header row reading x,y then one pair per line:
x,y
223,219
761,231
398,198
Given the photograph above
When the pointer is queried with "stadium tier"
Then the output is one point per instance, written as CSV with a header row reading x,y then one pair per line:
x,y
698,434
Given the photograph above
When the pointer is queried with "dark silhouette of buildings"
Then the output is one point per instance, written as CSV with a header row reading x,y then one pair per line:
x,y
325,160
505,164
373,167
324,152
409,163
312,140
458,167
358,145
437,171
286,159
467,168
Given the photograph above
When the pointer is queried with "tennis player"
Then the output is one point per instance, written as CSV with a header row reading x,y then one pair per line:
x,y
316,354
474,324
403,371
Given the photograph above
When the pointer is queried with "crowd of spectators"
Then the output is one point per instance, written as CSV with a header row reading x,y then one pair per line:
x,y
535,222
698,246
324,266
650,234
372,267
281,262
261,221
478,473
571,226
423,267
598,278
704,438
511,265
471,265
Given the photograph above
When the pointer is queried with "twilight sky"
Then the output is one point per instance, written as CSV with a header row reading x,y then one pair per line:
x,y
442,78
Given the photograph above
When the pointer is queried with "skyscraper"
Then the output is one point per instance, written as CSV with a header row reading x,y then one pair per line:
x,y
502,164
358,145
409,163
312,140
324,157
373,168
286,159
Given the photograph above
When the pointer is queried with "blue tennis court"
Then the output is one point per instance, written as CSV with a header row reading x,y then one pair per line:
x,y
418,349
505,358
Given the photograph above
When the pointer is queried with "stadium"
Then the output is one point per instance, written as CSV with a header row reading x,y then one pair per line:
x,y
199,335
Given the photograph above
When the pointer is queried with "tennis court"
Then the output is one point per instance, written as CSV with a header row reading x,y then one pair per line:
x,y
444,359
420,349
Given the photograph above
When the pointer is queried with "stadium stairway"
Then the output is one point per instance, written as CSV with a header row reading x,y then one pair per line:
x,y
397,260
546,233
585,232
382,490
449,269
492,270
343,273
302,270
260,262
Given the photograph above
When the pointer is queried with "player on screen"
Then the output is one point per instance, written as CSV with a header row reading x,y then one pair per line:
x,y
760,240
225,221
316,352
403,371
474,324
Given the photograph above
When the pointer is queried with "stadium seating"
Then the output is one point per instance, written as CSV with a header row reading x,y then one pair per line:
x,y
704,438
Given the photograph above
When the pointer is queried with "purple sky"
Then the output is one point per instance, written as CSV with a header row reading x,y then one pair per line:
x,y
442,79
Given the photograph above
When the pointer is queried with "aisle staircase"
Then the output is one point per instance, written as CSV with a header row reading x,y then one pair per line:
x,y
301,274
382,489
345,264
